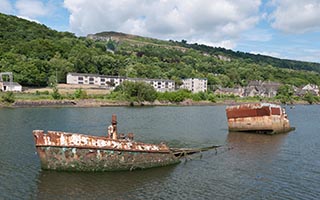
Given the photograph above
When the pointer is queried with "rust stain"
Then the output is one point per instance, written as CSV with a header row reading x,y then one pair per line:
x,y
63,139
263,117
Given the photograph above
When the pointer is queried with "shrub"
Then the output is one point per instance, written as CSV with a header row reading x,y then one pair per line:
x,y
80,94
136,91
55,94
8,97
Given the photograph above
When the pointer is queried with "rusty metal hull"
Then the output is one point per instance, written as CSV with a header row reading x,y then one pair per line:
x,y
261,118
78,152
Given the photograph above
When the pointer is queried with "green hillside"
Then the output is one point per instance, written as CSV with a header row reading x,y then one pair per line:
x,y
38,55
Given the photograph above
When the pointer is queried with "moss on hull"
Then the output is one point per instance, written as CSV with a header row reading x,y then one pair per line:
x,y
80,159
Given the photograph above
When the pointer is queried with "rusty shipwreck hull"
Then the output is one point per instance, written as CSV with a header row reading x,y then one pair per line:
x,y
79,152
258,117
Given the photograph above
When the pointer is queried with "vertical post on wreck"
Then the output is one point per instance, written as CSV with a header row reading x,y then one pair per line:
x,y
114,125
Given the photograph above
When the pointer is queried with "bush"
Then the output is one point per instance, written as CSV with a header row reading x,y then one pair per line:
x,y
8,97
136,91
176,96
212,98
55,94
80,94
310,98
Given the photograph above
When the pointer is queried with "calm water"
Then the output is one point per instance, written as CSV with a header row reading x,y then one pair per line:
x,y
249,166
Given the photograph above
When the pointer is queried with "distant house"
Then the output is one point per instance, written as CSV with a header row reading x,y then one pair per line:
x,y
238,91
309,88
195,84
7,86
262,88
110,82
10,86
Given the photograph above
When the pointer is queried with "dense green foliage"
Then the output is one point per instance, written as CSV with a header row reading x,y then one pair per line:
x,y
39,56
80,94
8,97
285,94
55,94
135,91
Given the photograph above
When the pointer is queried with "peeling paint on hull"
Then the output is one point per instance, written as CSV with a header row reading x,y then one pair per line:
x,y
78,152
260,118
74,159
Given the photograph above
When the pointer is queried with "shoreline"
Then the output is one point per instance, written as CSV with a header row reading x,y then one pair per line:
x,y
103,103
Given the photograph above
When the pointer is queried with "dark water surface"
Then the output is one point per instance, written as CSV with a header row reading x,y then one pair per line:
x,y
249,166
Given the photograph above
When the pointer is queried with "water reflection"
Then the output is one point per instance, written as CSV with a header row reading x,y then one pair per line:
x,y
254,138
255,145
102,185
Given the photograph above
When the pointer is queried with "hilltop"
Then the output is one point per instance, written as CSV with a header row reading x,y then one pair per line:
x,y
38,56
218,51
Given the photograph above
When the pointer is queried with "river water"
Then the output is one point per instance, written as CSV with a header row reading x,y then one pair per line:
x,y
247,166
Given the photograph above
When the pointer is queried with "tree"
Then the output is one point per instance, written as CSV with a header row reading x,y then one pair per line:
x,y
285,94
309,97
137,91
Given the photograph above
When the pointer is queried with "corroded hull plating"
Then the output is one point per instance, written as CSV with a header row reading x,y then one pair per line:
x,y
261,117
78,152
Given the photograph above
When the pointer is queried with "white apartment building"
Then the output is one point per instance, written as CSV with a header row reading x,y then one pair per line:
x,y
111,82
94,79
195,85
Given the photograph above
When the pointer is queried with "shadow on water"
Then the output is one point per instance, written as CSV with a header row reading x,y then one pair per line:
x,y
100,185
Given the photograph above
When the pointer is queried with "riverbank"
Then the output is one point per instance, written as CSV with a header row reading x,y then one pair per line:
x,y
109,103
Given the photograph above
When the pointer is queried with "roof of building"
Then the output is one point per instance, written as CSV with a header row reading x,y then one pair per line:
x,y
194,79
95,75
146,79
122,77
10,84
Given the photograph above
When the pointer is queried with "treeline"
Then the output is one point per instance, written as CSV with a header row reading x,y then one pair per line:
x,y
259,59
39,56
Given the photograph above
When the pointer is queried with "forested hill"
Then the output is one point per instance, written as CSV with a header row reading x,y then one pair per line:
x,y
38,55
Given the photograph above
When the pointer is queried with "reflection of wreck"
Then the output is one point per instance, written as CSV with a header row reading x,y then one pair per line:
x,y
258,117
78,152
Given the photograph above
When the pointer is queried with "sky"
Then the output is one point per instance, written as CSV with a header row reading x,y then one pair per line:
x,y
288,29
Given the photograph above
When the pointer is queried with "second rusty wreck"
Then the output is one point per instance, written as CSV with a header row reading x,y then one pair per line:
x,y
78,152
258,117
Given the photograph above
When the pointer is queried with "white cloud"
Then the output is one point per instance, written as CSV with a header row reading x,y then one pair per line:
x,y
32,8
212,21
296,16
5,7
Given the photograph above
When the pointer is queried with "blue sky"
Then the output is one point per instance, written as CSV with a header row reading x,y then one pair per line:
x,y
281,28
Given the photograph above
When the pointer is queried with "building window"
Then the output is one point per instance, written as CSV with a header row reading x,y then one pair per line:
x,y
102,80
91,79
80,78
80,82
